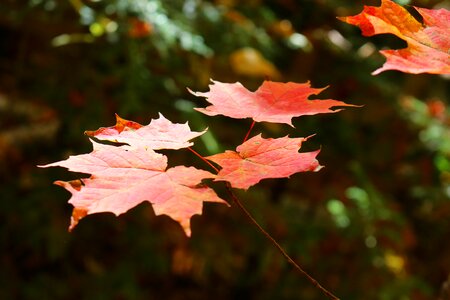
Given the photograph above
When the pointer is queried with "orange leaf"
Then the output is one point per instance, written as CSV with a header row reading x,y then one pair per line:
x,y
139,28
428,48
260,158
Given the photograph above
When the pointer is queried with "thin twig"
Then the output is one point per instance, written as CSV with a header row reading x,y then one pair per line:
x,y
204,159
278,246
248,132
264,232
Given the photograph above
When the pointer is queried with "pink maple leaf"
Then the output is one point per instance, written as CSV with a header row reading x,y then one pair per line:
x,y
123,177
159,134
274,102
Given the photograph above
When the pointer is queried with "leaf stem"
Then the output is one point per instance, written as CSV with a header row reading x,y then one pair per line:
x,y
278,246
264,232
249,130
204,159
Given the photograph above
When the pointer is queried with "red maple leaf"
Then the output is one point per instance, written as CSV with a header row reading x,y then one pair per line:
x,y
260,158
159,134
274,102
428,48
122,178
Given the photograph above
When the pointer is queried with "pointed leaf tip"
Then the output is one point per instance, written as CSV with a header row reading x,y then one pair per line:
x,y
77,215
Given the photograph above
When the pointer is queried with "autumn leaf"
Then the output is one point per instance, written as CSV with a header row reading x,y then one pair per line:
x,y
159,134
121,178
260,158
250,62
428,48
139,28
274,102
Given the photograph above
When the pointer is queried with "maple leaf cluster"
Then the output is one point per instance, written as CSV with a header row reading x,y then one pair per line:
x,y
130,171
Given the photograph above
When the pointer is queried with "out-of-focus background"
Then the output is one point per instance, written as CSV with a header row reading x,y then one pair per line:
x,y
373,224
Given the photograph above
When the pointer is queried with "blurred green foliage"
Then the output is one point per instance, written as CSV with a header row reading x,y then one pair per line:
x,y
372,225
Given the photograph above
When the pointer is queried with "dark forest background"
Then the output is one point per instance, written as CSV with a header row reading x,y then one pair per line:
x,y
373,224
